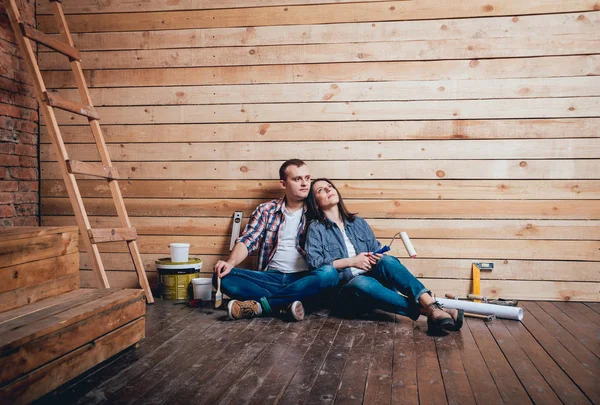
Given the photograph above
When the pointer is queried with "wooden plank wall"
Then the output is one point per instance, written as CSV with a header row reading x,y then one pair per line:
x,y
472,125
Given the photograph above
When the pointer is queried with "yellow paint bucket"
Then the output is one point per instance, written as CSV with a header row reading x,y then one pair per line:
x,y
174,279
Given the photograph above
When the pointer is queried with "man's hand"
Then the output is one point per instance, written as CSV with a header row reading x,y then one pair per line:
x,y
222,268
363,261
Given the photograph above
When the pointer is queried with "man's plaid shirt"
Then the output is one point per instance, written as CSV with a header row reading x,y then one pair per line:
x,y
262,232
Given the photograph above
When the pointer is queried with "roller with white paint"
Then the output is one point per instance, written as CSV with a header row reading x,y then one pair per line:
x,y
407,244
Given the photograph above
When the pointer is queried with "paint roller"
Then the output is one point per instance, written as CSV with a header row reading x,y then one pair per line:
x,y
407,244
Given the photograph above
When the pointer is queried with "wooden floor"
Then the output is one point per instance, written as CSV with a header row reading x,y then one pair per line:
x,y
195,356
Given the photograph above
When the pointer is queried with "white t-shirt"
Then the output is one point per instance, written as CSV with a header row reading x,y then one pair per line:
x,y
287,259
351,253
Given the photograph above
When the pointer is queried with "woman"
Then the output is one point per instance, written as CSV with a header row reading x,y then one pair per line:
x,y
367,280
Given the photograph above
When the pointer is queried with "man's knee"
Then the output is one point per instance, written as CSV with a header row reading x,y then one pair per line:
x,y
328,276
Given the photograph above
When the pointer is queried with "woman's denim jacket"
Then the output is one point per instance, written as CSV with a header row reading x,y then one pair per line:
x,y
326,244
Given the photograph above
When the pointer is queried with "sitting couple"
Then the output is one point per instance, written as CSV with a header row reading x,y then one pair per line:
x,y
309,245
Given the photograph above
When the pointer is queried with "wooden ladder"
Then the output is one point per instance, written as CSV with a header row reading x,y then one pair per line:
x,y
68,168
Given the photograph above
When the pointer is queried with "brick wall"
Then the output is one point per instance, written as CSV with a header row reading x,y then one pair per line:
x,y
19,168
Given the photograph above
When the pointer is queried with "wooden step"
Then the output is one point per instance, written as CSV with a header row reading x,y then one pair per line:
x,y
57,101
92,169
112,234
37,347
37,263
51,42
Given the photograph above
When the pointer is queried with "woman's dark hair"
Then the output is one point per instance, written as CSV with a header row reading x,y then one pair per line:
x,y
315,213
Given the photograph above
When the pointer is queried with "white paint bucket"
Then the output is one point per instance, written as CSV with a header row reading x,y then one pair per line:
x,y
179,252
202,288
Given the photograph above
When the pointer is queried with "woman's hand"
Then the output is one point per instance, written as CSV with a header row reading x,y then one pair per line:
x,y
363,261
375,258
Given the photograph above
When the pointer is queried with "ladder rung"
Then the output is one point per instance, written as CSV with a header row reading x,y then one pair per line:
x,y
57,101
92,169
112,234
50,42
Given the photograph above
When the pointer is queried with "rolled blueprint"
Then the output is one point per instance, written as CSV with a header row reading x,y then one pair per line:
x,y
501,311
409,247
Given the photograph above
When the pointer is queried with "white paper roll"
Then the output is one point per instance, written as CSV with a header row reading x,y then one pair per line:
x,y
409,247
501,311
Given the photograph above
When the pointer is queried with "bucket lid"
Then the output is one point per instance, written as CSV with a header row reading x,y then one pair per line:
x,y
202,280
166,263
170,271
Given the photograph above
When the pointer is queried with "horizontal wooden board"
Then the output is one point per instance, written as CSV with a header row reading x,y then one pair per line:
x,y
587,148
29,274
48,347
508,289
331,92
525,290
28,332
421,267
27,295
426,248
374,189
58,372
348,131
123,6
311,14
18,251
383,228
468,28
26,232
568,107
357,169
547,66
473,209
568,44
122,262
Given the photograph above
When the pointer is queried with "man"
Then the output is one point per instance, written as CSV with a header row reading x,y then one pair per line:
x,y
275,229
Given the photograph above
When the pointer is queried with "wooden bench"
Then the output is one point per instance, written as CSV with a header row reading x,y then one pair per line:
x,y
51,330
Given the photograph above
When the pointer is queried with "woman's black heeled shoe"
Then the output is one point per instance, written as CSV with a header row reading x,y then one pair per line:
x,y
439,322
458,315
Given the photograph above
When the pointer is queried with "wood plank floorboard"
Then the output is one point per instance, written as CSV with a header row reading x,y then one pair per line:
x,y
482,384
455,378
429,376
511,389
583,309
549,325
404,373
594,305
379,379
562,385
576,324
580,372
536,386
198,356
353,380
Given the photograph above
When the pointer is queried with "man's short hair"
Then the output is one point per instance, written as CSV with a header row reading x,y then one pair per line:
x,y
286,164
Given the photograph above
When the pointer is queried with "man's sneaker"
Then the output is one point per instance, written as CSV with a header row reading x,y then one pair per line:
x,y
295,311
243,309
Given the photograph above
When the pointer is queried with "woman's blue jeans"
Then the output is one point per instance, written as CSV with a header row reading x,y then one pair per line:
x,y
379,287
276,290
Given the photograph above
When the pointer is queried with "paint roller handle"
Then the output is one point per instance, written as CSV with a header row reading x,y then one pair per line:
x,y
382,250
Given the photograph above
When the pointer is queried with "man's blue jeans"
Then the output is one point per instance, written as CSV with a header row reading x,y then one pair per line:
x,y
274,289
378,289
